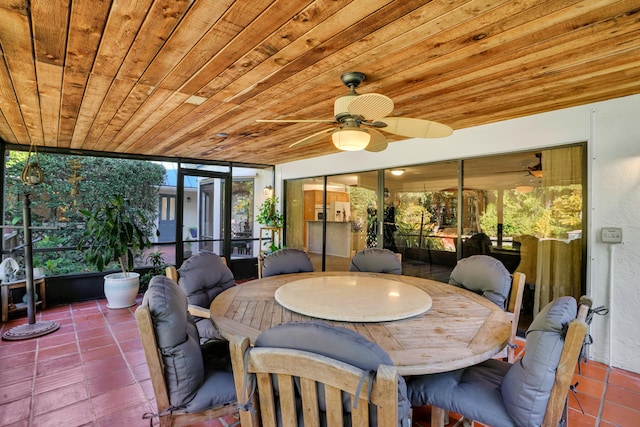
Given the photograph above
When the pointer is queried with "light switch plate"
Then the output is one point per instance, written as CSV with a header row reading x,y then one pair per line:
x,y
611,235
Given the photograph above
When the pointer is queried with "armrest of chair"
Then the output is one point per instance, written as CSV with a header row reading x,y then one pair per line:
x,y
197,311
172,273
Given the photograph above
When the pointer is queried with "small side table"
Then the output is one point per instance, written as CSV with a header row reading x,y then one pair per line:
x,y
6,288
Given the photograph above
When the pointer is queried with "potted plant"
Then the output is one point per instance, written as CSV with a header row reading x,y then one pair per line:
x,y
158,267
269,216
116,232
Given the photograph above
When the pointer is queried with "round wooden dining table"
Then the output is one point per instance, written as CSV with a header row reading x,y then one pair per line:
x,y
458,328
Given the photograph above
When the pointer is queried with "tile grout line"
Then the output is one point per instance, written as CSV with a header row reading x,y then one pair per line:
x,y
122,354
33,381
604,394
85,377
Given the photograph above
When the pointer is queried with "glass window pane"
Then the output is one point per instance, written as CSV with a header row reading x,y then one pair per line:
x,y
423,227
532,214
242,217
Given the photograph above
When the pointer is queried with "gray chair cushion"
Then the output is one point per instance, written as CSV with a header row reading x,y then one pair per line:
x,y
217,389
177,339
527,385
338,343
202,277
497,393
376,260
286,261
484,275
474,392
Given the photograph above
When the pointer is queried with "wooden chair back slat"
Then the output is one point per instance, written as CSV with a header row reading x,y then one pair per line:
x,y
310,370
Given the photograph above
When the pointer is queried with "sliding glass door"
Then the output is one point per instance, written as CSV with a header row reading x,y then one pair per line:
x,y
525,209
332,219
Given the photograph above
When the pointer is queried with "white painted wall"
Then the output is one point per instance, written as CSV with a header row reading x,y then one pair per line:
x,y
612,129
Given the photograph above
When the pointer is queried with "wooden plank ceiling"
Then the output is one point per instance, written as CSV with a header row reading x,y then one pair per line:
x,y
173,77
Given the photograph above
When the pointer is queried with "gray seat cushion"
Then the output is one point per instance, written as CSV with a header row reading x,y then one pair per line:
x,y
376,260
338,343
286,261
483,275
497,393
474,392
177,339
191,384
202,277
217,389
527,386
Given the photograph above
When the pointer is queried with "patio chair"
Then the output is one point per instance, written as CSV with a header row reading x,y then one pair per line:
x,y
377,260
284,261
483,275
514,307
202,277
487,276
478,244
191,383
531,392
326,375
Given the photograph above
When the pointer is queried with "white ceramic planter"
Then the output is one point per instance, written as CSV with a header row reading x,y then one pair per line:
x,y
121,291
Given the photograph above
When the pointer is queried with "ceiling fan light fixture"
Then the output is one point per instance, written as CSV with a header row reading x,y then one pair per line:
x,y
351,139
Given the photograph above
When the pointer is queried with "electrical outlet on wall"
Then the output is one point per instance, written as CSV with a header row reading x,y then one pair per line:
x,y
611,235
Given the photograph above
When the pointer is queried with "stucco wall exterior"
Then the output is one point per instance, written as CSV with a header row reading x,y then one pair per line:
x,y
612,132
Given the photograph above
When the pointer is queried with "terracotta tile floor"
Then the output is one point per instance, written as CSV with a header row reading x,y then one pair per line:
x,y
92,371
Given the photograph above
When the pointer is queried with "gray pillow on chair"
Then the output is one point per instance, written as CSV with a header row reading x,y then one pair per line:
x,y
202,277
177,339
527,385
376,260
484,275
338,343
286,261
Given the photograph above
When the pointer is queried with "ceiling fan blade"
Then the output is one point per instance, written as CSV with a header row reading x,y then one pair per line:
x,y
297,121
415,128
371,106
378,141
313,138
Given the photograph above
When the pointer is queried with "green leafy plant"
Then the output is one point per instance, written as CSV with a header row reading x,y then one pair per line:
x,y
158,267
268,214
115,232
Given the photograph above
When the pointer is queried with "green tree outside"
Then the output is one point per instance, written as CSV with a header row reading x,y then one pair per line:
x,y
53,204
544,212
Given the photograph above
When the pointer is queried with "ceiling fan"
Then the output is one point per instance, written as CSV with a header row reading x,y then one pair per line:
x,y
536,170
371,110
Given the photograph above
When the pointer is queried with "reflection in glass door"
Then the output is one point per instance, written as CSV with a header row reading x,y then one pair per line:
x,y
332,222
203,215
211,214
531,218
423,199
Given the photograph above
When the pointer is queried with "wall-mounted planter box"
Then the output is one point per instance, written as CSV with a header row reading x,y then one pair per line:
x,y
78,287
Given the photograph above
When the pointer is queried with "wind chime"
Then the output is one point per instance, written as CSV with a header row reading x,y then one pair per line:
x,y
32,174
